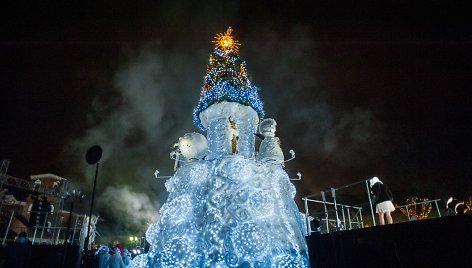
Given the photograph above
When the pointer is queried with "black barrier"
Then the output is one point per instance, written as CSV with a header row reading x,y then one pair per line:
x,y
50,256
439,242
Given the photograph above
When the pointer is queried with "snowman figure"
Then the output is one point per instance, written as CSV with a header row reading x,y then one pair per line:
x,y
269,149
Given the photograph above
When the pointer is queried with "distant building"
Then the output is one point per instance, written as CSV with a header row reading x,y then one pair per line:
x,y
40,207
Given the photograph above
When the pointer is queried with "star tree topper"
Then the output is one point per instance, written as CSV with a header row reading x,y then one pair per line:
x,y
225,41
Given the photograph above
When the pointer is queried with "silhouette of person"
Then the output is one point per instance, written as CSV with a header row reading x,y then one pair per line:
x,y
116,261
126,256
104,257
116,244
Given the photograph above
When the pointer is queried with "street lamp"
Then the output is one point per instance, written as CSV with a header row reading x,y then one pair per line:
x,y
93,156
135,239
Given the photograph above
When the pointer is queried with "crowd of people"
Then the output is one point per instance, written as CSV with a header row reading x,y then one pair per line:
x,y
115,257
19,255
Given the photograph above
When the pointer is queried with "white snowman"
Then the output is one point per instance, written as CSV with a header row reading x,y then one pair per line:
x,y
269,149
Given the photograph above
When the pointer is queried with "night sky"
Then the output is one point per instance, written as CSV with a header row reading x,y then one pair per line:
x,y
358,89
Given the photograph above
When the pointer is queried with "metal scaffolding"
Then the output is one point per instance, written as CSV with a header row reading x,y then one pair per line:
x,y
44,226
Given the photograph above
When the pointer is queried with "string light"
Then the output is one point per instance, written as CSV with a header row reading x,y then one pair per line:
x,y
152,232
285,261
177,210
250,240
260,204
228,209
237,220
199,173
217,121
177,253
228,167
139,261
226,79
227,204
418,208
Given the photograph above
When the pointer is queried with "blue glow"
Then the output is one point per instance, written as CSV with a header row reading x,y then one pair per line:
x,y
229,212
226,80
228,208
139,261
250,240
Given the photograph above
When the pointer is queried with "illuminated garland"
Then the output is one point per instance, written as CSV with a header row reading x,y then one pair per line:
x,y
468,203
226,79
414,210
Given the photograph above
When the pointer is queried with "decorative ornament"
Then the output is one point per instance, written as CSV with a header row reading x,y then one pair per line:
x,y
468,203
225,41
419,208
250,240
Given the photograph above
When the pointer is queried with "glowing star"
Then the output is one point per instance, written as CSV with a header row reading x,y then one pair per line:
x,y
225,41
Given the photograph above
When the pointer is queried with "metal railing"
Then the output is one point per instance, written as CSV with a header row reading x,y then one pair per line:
x,y
351,217
338,217
45,234
31,186
426,202
349,221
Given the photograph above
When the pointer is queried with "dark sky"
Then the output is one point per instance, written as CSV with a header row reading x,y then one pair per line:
x,y
358,89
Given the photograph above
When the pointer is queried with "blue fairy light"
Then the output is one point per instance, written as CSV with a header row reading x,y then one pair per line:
x,y
229,208
226,80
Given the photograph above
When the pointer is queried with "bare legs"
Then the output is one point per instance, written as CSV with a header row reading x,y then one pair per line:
x,y
389,217
382,219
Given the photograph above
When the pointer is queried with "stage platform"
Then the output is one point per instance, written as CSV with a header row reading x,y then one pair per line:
x,y
439,242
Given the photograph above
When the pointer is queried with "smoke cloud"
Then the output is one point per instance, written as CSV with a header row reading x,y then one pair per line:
x,y
136,123
150,106
120,201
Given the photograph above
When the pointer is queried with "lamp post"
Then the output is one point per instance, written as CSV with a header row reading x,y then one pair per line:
x,y
93,156
135,239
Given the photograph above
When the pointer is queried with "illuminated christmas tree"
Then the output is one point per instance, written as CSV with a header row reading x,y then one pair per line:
x,y
226,79
227,205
